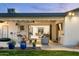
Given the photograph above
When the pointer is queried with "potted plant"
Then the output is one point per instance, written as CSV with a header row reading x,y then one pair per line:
x,y
11,44
34,44
23,45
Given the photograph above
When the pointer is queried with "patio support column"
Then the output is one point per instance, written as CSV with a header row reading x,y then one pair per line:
x,y
53,31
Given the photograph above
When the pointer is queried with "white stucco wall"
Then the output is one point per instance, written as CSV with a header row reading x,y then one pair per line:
x,y
71,30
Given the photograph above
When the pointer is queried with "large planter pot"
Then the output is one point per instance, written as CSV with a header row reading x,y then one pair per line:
x,y
45,41
11,46
4,39
23,45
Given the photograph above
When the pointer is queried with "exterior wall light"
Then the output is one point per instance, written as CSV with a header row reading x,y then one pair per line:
x,y
71,13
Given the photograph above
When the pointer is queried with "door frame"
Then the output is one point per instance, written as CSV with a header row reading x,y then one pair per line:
x,y
50,29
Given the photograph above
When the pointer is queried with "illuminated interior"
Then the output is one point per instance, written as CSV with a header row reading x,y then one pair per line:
x,y
36,31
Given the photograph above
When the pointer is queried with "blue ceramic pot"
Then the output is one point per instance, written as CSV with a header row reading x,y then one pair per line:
x,y
23,45
11,46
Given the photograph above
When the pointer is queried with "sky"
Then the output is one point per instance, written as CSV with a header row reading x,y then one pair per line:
x,y
38,7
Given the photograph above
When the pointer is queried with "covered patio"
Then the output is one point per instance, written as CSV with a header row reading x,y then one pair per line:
x,y
31,28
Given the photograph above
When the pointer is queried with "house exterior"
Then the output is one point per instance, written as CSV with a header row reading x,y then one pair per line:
x,y
62,28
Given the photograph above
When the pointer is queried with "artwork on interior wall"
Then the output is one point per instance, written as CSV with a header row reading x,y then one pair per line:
x,y
21,27
40,30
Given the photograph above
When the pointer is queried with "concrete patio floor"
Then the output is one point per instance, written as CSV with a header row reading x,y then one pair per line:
x,y
51,46
59,48
47,47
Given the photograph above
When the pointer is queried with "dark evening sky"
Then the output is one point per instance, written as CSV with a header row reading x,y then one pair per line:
x,y
38,7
